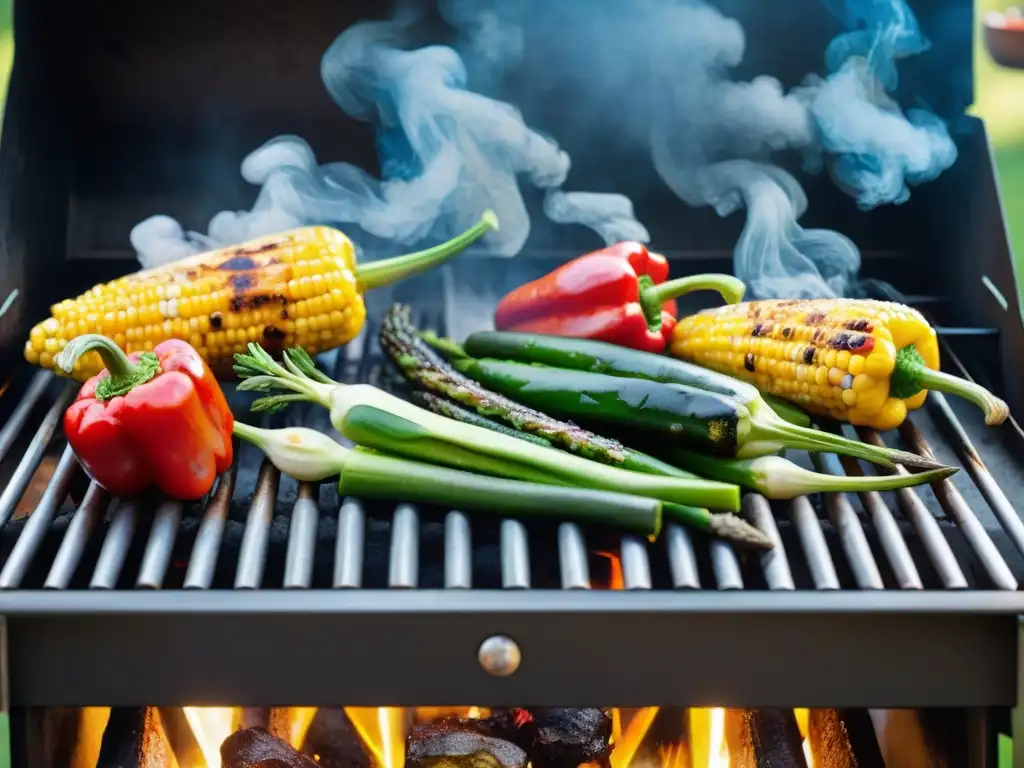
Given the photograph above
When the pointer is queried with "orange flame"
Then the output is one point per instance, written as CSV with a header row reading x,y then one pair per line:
x,y
803,718
626,748
382,730
210,725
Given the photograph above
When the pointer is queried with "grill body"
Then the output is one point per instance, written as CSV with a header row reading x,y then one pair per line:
x,y
272,593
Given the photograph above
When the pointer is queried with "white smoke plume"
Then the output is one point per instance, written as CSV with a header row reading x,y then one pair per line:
x,y
654,74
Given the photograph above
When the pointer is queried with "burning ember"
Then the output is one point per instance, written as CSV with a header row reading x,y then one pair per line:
x,y
466,737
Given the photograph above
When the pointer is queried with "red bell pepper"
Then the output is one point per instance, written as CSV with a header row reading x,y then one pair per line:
x,y
152,419
617,294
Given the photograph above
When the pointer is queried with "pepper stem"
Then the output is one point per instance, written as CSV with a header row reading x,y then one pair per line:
x,y
124,374
388,271
653,296
911,375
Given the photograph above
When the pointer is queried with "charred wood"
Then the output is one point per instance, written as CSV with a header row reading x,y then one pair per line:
x,y
256,748
123,738
334,741
457,743
763,738
843,738
565,738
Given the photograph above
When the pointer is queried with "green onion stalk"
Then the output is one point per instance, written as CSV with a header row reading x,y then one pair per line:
x,y
311,456
725,526
777,478
404,429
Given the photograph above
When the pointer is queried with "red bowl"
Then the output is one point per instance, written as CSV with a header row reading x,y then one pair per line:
x,y
1004,38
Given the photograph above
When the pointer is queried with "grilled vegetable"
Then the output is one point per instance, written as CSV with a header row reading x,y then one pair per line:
x,y
686,416
777,478
421,365
725,526
772,476
151,419
765,424
616,294
739,390
301,287
311,456
864,362
419,434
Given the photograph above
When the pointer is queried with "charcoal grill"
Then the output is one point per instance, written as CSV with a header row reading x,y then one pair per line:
x,y
910,599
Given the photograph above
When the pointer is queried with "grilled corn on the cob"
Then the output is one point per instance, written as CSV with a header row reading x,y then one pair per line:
x,y
297,288
864,362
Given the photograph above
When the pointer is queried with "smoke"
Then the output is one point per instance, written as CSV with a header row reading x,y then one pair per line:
x,y
653,74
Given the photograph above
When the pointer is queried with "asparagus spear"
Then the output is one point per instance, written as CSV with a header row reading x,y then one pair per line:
x,y
725,526
432,438
311,456
421,365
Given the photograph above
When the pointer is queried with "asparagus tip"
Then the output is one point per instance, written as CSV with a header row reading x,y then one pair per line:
x,y
915,460
738,531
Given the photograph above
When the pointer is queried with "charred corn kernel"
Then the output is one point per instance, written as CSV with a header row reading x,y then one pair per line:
x,y
861,361
250,291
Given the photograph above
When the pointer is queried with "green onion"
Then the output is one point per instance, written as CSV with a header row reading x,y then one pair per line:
x,y
723,525
779,478
429,437
310,456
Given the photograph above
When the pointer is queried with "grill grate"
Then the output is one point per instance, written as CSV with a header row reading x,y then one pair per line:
x,y
271,568
860,541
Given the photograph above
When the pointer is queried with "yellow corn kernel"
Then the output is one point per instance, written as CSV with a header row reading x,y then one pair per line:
x,y
218,301
833,356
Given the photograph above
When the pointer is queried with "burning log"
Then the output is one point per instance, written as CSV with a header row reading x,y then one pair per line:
x,y
457,743
255,748
569,737
763,738
334,741
843,738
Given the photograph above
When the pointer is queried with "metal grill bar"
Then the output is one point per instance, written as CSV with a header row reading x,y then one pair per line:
x,y
253,554
19,417
298,565
33,456
348,553
405,549
515,555
725,565
927,528
115,545
997,501
39,521
954,504
812,539
157,557
888,531
773,562
851,533
458,552
211,530
82,526
572,556
636,568
681,558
